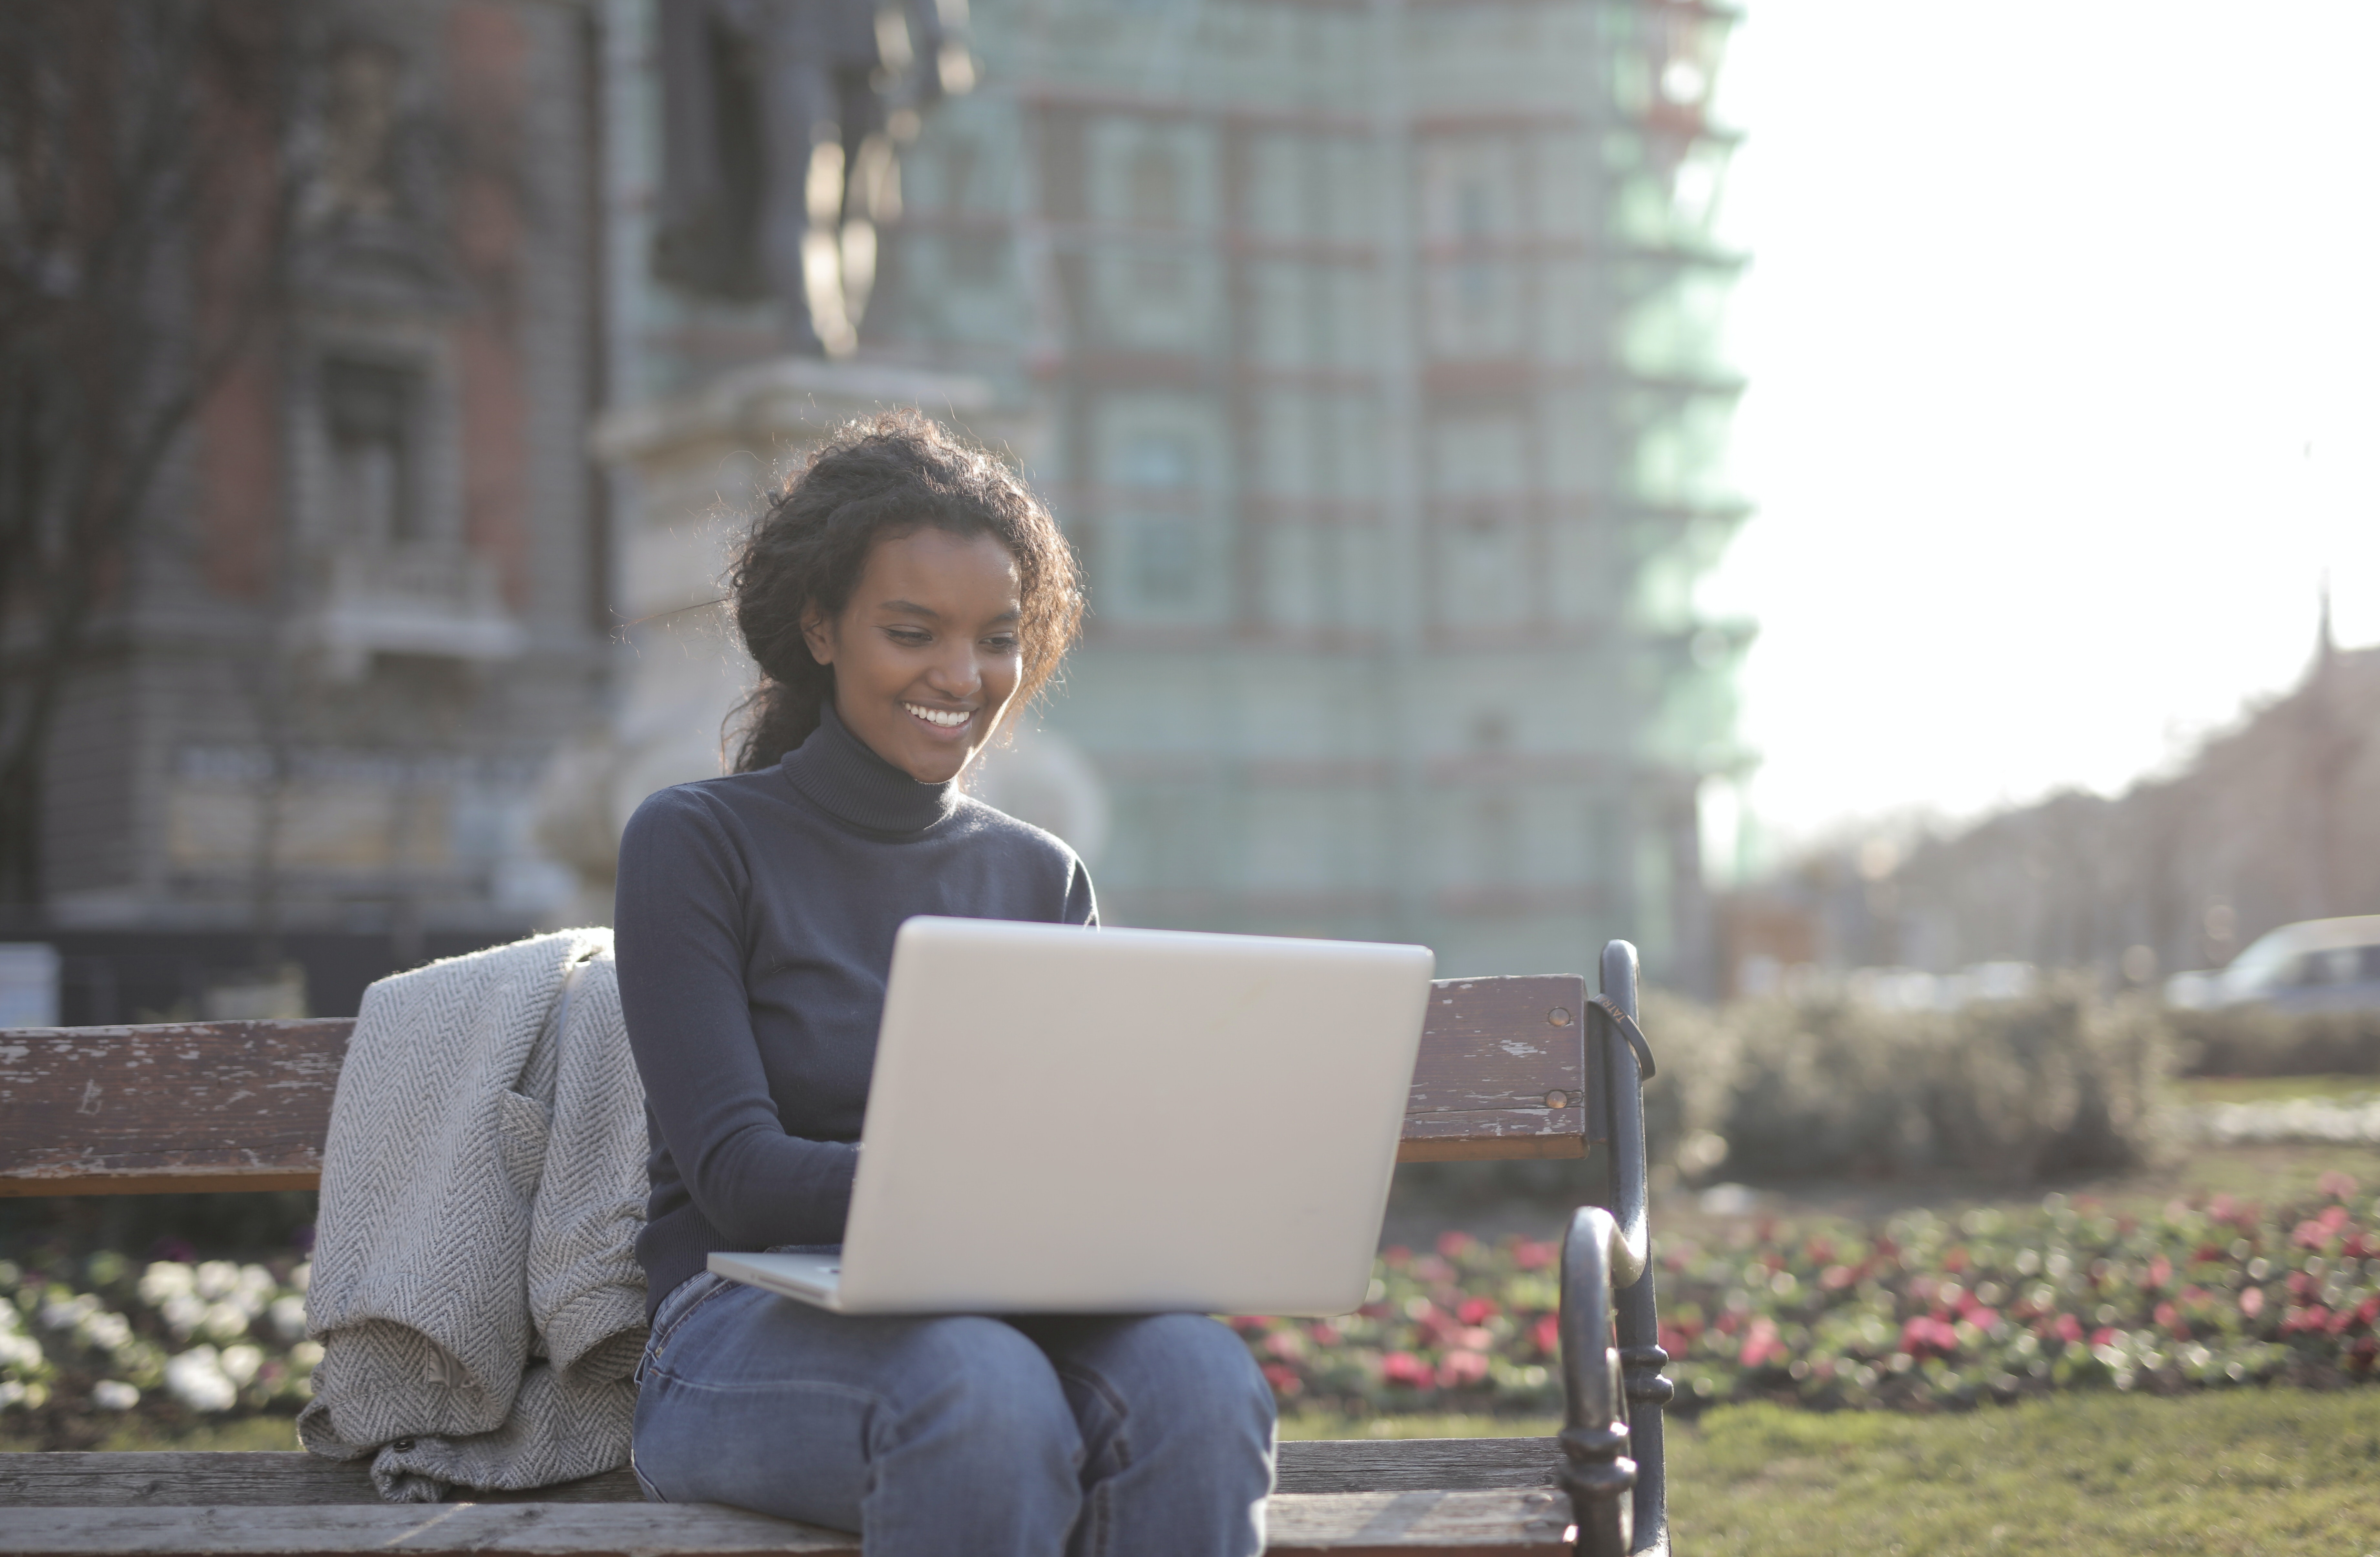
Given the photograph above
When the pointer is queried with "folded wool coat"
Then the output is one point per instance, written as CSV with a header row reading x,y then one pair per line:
x,y
475,1282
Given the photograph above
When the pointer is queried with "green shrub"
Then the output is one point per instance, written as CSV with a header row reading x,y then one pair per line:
x,y
2019,1089
2252,1040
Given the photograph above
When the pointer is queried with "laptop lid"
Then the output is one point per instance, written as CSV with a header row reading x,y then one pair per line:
x,y
1065,1120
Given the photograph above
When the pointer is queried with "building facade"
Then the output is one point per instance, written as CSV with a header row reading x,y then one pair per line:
x,y
1369,355
369,597
1376,352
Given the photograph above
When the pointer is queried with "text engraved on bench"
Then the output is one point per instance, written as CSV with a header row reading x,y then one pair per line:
x,y
174,1101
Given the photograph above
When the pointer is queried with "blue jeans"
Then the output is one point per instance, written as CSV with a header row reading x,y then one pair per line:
x,y
1146,1436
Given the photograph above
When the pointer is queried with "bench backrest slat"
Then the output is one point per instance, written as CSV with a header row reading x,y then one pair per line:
x,y
245,1105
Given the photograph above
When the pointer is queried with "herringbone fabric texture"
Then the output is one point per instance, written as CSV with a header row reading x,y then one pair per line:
x,y
475,1285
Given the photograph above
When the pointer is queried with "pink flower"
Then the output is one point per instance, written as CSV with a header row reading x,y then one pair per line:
x,y
2338,1186
1461,1368
1927,1333
1456,1243
1476,1310
1284,1381
1403,1368
1761,1345
2252,1302
2068,1329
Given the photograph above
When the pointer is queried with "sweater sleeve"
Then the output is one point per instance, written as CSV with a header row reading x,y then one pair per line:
x,y
680,934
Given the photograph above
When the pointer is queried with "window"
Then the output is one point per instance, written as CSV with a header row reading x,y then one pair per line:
x,y
1156,462
1154,192
370,410
1164,548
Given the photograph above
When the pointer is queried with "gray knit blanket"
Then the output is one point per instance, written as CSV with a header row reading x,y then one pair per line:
x,y
475,1285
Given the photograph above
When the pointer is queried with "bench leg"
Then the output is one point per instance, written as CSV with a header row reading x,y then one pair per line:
x,y
1640,1326
1598,1477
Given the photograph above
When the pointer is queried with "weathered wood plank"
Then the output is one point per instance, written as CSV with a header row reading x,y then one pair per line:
x,y
196,1105
203,1478
245,1105
1502,1044
189,1478
1343,1524
1404,1464
1489,1149
532,1529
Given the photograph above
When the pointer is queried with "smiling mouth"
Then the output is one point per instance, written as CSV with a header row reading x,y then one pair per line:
x,y
940,718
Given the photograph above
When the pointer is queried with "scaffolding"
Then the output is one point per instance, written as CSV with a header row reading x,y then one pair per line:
x,y
1376,348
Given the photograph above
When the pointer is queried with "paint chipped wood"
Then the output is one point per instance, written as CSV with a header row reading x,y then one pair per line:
x,y
185,1105
1507,1523
245,1105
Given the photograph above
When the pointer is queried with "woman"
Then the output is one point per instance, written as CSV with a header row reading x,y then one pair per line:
x,y
902,597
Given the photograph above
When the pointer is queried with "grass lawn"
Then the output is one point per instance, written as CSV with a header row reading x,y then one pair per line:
x,y
2235,1471
2270,1088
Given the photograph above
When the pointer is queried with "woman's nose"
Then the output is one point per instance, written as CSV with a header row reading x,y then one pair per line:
x,y
955,672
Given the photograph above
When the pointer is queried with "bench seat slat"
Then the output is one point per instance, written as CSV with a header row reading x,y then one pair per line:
x,y
177,1479
1503,1522
197,1106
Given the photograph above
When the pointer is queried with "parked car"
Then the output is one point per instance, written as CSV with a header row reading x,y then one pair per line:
x,y
2315,965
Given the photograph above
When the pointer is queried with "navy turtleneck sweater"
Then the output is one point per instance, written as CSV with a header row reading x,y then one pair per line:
x,y
754,924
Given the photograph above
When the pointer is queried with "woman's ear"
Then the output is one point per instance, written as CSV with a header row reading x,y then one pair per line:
x,y
820,637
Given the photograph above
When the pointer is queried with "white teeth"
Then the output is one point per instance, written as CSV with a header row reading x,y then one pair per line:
x,y
947,719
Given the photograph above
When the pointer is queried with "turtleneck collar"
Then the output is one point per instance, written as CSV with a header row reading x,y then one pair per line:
x,y
836,771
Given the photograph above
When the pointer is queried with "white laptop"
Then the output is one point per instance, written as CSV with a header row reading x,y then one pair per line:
x,y
1122,1120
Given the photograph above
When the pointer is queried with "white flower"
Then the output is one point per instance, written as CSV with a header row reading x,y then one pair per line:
x,y
302,1276
106,1331
11,1393
65,1313
195,1379
305,1355
166,1279
182,1312
288,1317
239,1363
20,1352
254,1290
225,1320
216,1278
114,1395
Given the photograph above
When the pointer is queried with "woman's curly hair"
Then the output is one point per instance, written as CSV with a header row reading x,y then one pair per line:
x,y
882,476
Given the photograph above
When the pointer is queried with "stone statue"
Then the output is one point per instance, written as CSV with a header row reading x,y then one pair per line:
x,y
753,90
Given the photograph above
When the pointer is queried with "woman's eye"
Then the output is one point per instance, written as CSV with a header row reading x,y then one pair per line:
x,y
1000,645
913,637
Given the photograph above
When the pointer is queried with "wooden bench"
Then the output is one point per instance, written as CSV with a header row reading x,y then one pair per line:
x,y
1510,1068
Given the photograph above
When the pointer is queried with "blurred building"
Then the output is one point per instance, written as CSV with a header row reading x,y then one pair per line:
x,y
366,600
1379,350
1369,355
2274,822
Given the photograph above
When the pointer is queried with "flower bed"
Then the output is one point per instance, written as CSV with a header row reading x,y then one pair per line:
x,y
1922,1313
95,1345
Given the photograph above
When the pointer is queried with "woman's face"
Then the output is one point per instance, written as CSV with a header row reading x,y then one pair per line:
x,y
926,656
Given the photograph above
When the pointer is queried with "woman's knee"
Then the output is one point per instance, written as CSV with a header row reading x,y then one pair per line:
x,y
978,1382
1187,1372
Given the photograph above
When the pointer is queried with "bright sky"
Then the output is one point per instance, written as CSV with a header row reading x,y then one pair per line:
x,y
2048,300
